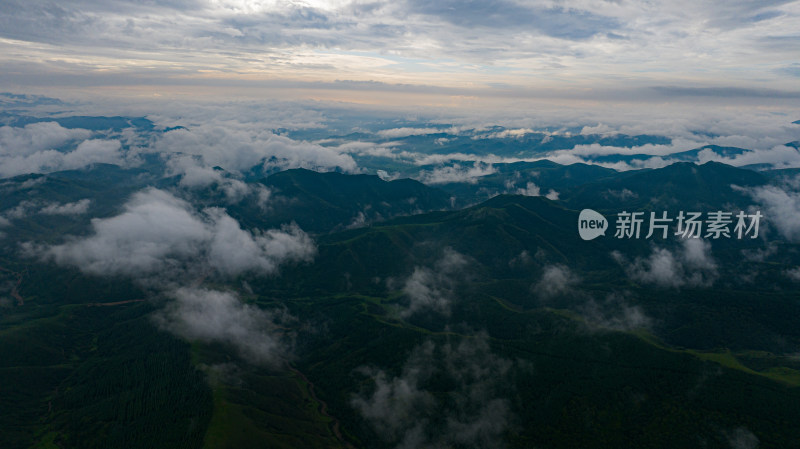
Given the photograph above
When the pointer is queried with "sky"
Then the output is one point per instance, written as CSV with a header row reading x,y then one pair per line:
x,y
451,54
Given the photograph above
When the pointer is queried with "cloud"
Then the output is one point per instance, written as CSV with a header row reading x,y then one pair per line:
x,y
36,137
615,313
406,411
395,133
27,208
781,209
158,233
233,251
793,274
433,289
742,438
456,173
565,23
531,189
23,209
93,151
552,195
779,156
724,92
556,280
195,175
691,265
518,133
164,243
575,47
622,195
77,208
212,316
760,254
47,161
238,147
44,147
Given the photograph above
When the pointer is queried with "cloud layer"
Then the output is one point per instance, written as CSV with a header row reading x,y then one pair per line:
x,y
158,233
508,47
47,146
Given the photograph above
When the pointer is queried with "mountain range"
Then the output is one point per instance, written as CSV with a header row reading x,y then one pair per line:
x,y
464,314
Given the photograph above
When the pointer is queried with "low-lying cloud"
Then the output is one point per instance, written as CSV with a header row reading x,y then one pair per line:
x,y
690,265
238,147
407,412
76,208
159,233
28,208
213,316
456,173
616,313
47,147
433,288
781,210
556,280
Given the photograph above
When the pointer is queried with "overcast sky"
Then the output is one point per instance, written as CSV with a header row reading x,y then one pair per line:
x,y
359,50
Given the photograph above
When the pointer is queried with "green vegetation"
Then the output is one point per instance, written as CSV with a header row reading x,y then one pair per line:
x,y
606,361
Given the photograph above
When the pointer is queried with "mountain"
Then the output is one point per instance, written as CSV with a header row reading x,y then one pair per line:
x,y
495,321
682,185
515,177
321,202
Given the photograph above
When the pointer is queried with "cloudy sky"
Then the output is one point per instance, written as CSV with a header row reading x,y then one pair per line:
x,y
443,53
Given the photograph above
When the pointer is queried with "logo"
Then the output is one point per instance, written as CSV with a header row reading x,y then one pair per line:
x,y
629,225
591,224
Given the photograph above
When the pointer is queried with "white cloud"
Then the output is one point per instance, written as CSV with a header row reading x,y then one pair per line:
x,y
37,137
213,316
742,438
237,147
530,189
195,175
473,412
793,274
456,174
623,194
779,156
233,250
21,210
556,280
158,232
395,133
615,313
692,265
517,133
432,289
575,46
93,151
46,161
46,147
781,209
77,208
27,208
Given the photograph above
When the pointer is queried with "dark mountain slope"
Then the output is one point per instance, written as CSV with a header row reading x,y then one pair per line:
x,y
321,202
682,185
